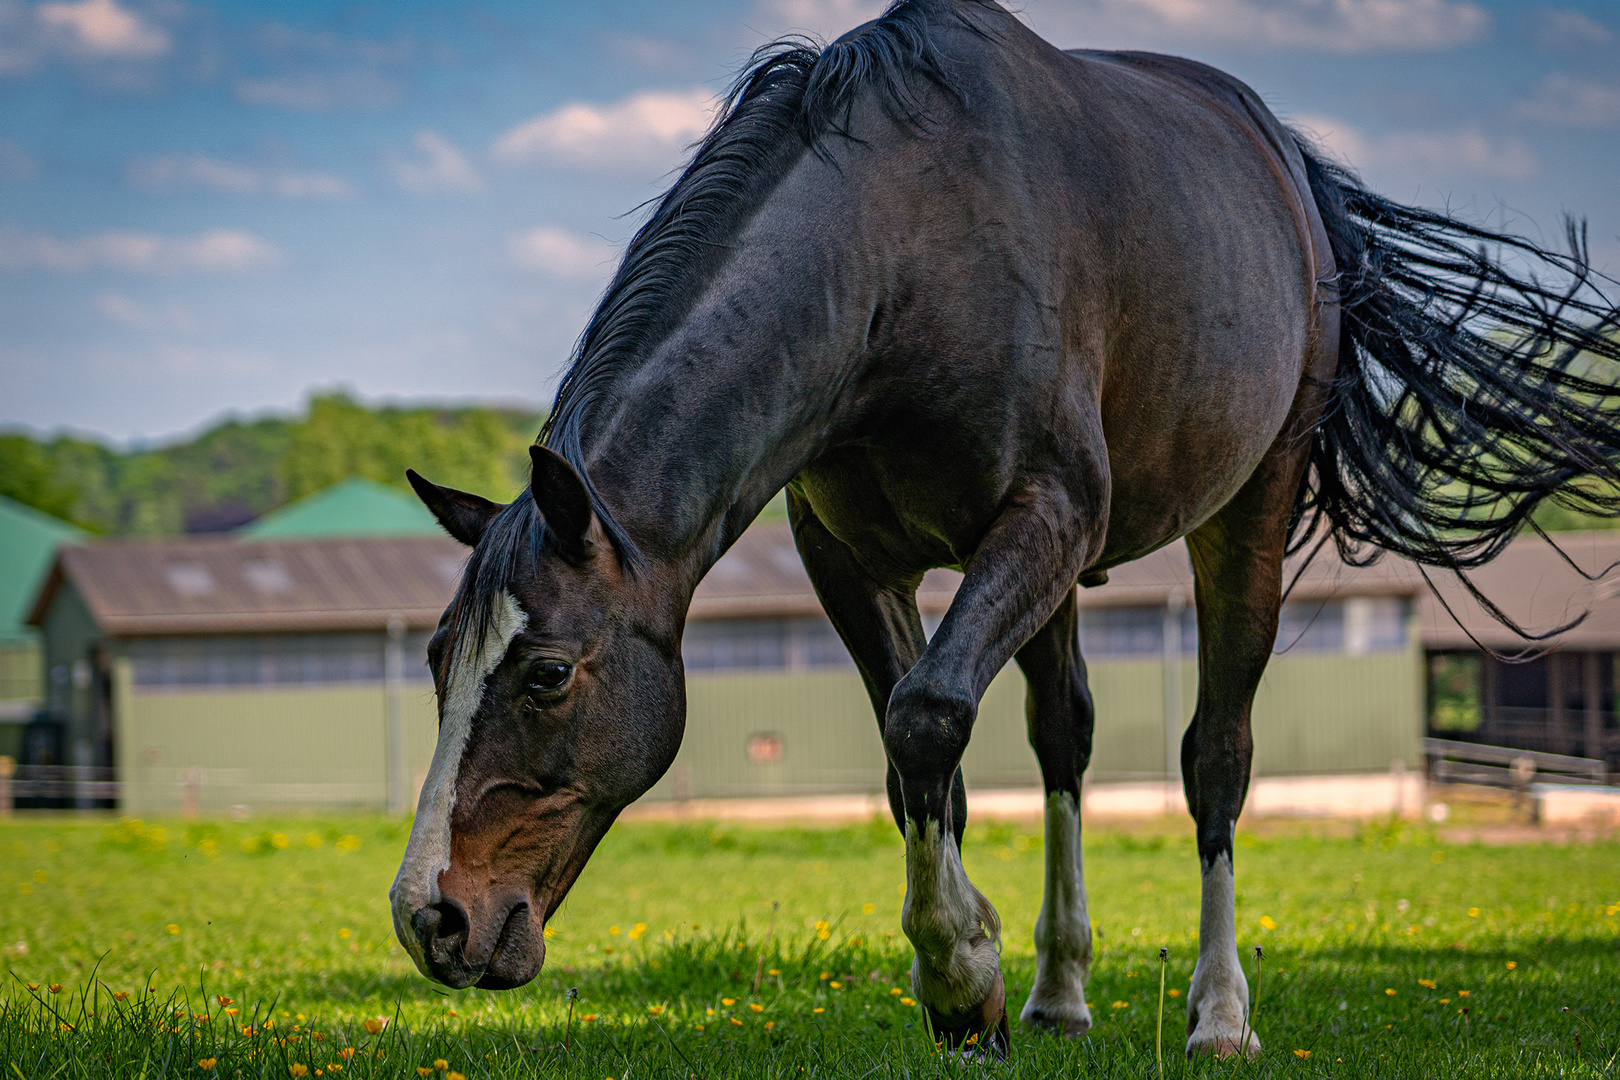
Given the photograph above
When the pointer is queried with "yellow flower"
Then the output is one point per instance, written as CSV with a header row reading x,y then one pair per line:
x,y
120,995
821,924
298,1069
1302,1054
550,932
1390,991
773,971
334,1067
818,1009
173,928
1120,1005
346,1053
1473,913
247,1033
423,1070
55,988
375,1025
588,1018
896,991
971,1039
32,986
867,909
1512,964
655,1009
728,1002
231,1012
1462,993
907,1002
736,1021
453,1075
224,1001
823,934
756,1007
343,932
207,1064
1268,922
825,975
836,985
441,1064
1445,1001
1429,983
769,1024
614,930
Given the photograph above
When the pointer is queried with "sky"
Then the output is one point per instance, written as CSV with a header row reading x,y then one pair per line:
x,y
216,207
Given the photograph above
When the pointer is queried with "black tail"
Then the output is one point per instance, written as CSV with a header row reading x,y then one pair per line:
x,y
1479,376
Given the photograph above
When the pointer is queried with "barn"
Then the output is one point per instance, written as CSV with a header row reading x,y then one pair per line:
x,y
287,671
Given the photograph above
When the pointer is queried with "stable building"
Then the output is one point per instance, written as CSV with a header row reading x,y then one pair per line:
x,y
284,673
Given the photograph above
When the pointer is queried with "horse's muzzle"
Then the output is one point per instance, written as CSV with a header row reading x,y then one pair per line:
x,y
493,956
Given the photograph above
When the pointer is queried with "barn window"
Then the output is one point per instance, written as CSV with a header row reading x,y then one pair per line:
x,y
269,660
801,644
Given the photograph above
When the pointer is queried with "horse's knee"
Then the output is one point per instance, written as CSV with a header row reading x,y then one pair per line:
x,y
925,733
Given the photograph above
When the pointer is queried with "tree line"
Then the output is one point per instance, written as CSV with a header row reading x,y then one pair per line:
x,y
239,469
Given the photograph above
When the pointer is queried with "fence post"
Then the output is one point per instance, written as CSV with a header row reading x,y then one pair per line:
x,y
191,791
394,686
1174,605
8,769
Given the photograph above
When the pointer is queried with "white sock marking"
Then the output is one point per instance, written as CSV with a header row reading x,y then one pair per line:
x,y
428,852
1219,996
952,926
1063,930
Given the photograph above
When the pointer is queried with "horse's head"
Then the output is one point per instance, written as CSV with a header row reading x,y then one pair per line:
x,y
561,700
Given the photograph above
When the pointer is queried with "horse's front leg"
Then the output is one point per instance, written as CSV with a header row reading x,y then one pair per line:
x,y
1019,575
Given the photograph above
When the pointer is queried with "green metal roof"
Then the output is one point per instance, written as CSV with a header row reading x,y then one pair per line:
x,y
28,543
354,507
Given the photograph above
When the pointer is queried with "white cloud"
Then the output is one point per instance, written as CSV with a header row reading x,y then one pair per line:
x,y
315,91
219,250
825,19
1429,155
102,28
15,162
442,167
192,172
562,254
1571,102
1336,26
1562,29
649,130
170,316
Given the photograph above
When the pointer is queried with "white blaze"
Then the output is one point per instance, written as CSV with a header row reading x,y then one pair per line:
x,y
428,853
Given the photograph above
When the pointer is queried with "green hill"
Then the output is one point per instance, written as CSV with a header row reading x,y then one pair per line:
x,y
238,470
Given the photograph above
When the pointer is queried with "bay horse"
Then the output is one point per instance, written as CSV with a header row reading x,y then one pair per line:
x,y
980,303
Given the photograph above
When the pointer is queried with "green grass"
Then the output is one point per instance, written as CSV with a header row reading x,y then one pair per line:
x,y
289,919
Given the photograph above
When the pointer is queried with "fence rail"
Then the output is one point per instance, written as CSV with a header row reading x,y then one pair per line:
x,y
86,785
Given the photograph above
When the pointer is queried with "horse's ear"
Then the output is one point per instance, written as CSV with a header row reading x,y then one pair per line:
x,y
560,493
463,516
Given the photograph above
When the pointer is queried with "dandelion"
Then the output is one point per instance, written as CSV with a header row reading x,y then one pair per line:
x,y
907,1002
1473,913
374,1025
298,1068
550,932
1268,922
1302,1054
637,930
54,988
343,933
896,991
173,928
441,1064
207,1064
868,909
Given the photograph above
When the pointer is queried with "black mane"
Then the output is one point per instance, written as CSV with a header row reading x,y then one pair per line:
x,y
788,100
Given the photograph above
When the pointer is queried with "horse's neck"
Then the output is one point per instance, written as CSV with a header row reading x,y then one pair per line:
x,y
722,414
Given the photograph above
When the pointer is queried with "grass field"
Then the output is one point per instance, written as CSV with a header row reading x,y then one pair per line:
x,y
1387,953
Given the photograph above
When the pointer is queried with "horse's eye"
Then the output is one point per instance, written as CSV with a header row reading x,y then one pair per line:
x,y
549,676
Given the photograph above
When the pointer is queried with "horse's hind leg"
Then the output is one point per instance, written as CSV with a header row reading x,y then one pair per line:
x,y
1060,719
1237,568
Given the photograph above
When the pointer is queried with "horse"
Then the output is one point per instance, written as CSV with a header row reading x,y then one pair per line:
x,y
978,302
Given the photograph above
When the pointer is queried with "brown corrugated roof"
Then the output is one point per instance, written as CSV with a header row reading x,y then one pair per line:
x,y
221,585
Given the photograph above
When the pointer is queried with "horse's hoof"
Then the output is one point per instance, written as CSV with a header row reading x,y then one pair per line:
x,y
1058,1018
1222,1045
982,1029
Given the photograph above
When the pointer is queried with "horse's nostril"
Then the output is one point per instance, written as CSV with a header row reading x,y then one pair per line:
x,y
442,929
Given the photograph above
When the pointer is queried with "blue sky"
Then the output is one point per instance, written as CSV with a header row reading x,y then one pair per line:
x,y
216,207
